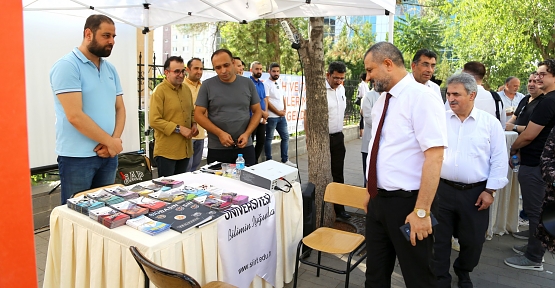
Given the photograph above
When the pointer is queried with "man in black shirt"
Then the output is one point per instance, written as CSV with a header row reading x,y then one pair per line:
x,y
522,114
530,145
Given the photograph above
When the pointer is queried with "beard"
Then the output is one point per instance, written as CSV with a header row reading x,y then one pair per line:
x,y
381,85
99,51
275,77
257,75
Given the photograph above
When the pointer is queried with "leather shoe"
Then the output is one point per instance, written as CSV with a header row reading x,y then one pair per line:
x,y
344,215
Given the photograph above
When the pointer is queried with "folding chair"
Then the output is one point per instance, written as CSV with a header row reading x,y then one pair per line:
x,y
333,241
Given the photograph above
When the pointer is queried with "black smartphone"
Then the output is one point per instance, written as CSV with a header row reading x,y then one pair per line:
x,y
405,229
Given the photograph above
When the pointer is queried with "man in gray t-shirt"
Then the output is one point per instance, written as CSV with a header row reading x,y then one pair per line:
x,y
222,108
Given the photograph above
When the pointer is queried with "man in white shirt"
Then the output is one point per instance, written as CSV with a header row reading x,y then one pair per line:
x,y
366,113
510,95
363,88
403,170
474,166
336,110
484,99
423,66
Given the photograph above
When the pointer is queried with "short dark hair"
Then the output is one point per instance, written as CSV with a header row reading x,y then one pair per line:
x,y
177,59
549,64
509,79
382,50
273,65
476,69
426,52
238,58
190,62
363,76
93,22
220,51
337,66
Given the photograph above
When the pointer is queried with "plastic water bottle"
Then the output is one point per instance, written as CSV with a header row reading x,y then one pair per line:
x,y
515,162
239,165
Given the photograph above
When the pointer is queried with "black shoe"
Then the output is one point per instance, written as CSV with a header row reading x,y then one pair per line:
x,y
344,215
464,279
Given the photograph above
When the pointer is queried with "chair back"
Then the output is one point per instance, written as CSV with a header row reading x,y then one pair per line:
x,y
344,194
160,276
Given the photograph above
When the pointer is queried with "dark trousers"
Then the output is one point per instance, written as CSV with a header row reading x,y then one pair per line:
x,y
457,215
364,157
230,155
384,242
337,152
260,135
532,188
169,167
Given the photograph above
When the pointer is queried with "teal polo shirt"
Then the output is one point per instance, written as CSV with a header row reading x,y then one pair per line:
x,y
99,89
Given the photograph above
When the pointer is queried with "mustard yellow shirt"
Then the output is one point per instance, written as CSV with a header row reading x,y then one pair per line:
x,y
194,87
169,107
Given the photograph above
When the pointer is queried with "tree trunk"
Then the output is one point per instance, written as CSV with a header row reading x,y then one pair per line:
x,y
272,37
316,120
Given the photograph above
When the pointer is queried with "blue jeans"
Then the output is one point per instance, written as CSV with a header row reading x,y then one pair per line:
x,y
83,173
279,124
194,162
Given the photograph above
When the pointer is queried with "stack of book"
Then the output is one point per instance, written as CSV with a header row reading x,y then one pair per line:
x,y
130,209
150,203
168,182
144,190
147,225
109,217
105,197
122,192
84,204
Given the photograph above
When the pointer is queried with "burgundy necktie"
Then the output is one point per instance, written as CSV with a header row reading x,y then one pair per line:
x,y
372,184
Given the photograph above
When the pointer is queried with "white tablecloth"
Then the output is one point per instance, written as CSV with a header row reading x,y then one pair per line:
x,y
504,210
83,253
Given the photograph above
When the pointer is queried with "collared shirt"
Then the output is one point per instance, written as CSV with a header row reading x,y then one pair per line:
x,y
366,106
485,102
99,87
259,84
336,107
430,84
274,93
171,106
194,87
507,102
477,151
415,122
363,88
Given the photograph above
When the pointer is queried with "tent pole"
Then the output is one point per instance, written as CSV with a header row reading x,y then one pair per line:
x,y
391,22
145,77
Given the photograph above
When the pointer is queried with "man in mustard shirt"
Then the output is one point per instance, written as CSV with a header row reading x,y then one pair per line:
x,y
194,73
171,116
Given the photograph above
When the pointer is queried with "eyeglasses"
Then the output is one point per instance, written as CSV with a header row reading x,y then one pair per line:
x,y
277,85
540,75
338,78
427,65
177,72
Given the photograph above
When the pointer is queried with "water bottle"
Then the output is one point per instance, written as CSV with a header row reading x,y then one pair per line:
x,y
515,162
239,165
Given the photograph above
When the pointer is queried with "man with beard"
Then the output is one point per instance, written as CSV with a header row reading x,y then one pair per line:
x,y
171,117
90,114
194,73
423,66
223,108
276,116
260,131
403,174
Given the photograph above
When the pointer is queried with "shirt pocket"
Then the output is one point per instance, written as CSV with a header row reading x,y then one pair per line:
x,y
479,146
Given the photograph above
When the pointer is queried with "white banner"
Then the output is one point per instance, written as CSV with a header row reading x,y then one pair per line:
x,y
247,242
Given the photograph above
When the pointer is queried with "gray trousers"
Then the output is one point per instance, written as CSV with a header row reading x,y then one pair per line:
x,y
198,146
532,188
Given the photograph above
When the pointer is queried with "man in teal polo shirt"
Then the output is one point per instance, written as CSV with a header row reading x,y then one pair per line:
x,y
90,114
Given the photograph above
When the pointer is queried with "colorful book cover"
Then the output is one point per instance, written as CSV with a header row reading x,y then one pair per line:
x,y
105,197
185,215
122,192
130,209
168,182
147,225
150,203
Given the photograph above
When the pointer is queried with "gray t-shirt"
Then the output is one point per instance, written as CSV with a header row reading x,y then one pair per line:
x,y
228,106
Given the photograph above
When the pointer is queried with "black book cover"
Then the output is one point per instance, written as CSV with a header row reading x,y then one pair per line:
x,y
184,215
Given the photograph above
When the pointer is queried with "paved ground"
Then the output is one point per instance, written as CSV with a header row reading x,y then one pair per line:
x,y
490,273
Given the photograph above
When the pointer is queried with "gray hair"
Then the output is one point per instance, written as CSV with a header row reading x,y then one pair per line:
x,y
255,63
466,79
385,50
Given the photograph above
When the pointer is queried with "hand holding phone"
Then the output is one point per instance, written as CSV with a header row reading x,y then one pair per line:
x,y
405,229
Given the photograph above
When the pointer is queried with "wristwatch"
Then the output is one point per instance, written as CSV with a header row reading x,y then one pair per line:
x,y
177,130
514,128
491,192
421,213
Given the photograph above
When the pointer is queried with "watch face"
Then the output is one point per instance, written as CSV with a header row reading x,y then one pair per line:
x,y
421,213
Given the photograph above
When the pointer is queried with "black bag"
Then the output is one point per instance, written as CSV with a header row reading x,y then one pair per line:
x,y
133,168
497,100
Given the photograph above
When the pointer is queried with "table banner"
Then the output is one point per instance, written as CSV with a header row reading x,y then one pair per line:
x,y
247,242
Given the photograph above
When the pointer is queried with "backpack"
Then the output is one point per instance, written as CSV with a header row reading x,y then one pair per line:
x,y
497,100
133,168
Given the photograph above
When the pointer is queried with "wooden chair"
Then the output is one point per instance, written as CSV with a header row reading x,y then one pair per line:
x,y
333,241
93,190
165,278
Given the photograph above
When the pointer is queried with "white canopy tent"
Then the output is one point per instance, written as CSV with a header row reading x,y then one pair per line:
x,y
148,15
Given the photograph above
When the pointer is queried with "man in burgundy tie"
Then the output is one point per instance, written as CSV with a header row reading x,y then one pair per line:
x,y
404,164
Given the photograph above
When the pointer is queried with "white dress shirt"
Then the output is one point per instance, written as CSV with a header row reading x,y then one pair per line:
x,y
507,102
485,102
367,103
415,122
432,86
274,93
362,89
336,107
477,151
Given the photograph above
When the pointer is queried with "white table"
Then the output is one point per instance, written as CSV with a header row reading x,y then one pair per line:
x,y
83,253
504,210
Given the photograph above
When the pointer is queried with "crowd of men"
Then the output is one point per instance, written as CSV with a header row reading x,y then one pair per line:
x,y
422,158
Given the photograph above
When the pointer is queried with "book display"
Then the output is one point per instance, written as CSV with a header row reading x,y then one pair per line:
x,y
185,215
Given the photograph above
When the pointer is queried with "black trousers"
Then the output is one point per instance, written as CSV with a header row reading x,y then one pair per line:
x,y
169,167
260,135
230,155
337,152
384,242
457,215
532,188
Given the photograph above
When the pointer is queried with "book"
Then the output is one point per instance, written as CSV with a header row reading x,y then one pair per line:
x,y
168,182
105,197
150,203
143,190
147,225
130,209
109,217
84,204
185,215
122,192
171,195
